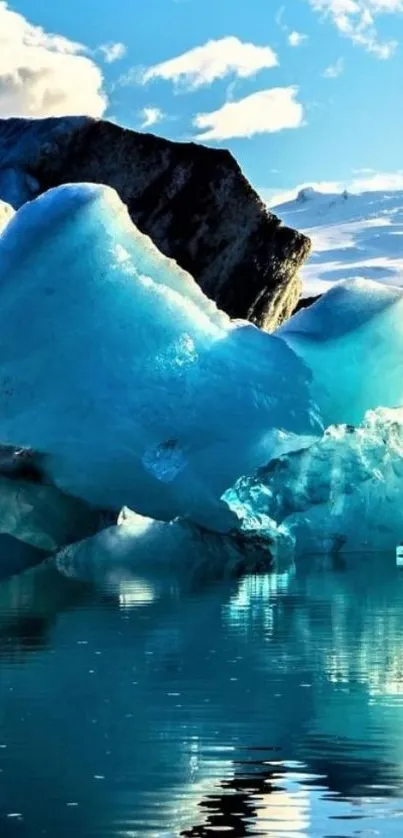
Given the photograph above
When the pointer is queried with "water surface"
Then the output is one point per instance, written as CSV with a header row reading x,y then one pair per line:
x,y
267,706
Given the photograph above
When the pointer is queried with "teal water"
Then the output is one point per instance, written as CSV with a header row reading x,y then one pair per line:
x,y
266,706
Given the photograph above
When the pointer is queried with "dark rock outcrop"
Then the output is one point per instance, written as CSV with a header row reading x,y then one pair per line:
x,y
193,201
306,302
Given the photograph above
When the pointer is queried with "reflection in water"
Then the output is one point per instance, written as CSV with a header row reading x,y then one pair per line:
x,y
15,556
270,706
26,623
253,802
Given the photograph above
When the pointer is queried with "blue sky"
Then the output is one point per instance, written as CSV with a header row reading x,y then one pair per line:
x,y
305,91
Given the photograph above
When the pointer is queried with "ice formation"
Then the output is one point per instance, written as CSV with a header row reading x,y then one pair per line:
x,y
131,384
168,550
44,517
136,391
352,341
343,493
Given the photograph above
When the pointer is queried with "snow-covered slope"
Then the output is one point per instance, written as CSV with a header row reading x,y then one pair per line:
x,y
352,236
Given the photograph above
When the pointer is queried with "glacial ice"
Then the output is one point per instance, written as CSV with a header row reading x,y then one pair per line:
x,y
168,550
352,340
136,391
42,516
343,493
130,383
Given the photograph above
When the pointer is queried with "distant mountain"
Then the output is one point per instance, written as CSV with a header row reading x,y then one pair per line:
x,y
352,236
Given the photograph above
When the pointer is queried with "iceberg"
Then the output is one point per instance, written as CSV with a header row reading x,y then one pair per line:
x,y
342,494
135,392
164,553
44,517
352,340
134,389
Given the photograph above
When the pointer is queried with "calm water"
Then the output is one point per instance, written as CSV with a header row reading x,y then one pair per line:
x,y
268,706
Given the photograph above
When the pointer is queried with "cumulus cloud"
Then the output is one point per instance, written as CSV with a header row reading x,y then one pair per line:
x,y
264,112
295,39
366,181
334,70
150,116
113,51
42,74
356,19
205,64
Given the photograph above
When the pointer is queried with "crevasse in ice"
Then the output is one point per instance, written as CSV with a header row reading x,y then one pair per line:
x,y
130,383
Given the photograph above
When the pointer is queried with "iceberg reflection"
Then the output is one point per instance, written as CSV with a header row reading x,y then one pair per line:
x,y
270,705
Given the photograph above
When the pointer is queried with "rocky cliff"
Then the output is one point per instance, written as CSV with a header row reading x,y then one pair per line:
x,y
193,201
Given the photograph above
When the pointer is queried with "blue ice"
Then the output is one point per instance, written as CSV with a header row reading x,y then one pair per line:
x,y
138,392
352,340
132,385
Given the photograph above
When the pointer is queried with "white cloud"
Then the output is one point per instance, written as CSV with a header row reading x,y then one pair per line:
x,y
113,51
295,39
364,171
151,116
382,181
214,60
367,181
263,112
334,70
356,19
43,74
280,16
